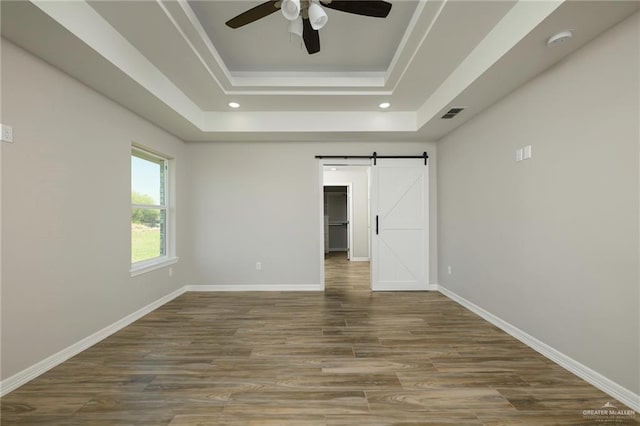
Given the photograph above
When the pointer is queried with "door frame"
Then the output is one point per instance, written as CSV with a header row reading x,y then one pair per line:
x,y
322,163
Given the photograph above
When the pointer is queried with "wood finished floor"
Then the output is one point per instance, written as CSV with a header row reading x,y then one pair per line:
x,y
345,357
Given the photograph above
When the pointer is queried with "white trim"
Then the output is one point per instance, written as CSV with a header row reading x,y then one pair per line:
x,y
359,259
255,287
148,206
85,23
622,394
398,68
321,164
145,153
350,219
148,266
349,79
433,287
30,373
197,27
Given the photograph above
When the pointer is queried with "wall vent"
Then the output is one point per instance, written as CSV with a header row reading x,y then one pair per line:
x,y
452,113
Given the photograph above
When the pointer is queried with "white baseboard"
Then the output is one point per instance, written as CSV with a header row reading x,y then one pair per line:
x,y
47,364
433,287
255,287
359,259
622,394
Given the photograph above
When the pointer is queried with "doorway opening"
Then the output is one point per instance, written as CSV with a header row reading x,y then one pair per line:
x,y
337,219
346,226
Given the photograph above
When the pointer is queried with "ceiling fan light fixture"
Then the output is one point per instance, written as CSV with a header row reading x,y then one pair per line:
x,y
317,16
313,14
234,105
290,9
384,105
295,26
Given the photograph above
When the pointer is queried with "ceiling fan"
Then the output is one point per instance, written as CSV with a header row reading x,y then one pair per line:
x,y
307,16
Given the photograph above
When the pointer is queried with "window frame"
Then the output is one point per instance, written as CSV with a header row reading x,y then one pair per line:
x,y
168,258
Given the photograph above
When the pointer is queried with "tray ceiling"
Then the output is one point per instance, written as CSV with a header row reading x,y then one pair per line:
x,y
177,64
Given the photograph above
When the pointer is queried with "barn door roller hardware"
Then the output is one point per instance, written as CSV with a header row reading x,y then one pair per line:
x,y
375,157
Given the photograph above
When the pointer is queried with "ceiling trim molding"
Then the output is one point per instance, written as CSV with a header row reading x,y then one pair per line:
x,y
512,28
396,71
309,121
196,26
309,79
172,19
79,18
272,83
319,91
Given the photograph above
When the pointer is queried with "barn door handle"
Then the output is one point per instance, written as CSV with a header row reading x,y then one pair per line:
x,y
376,224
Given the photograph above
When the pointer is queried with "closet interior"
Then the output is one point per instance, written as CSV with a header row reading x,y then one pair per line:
x,y
336,219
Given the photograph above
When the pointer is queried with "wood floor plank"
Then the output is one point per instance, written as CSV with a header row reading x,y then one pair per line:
x,y
413,380
404,419
343,357
465,400
226,419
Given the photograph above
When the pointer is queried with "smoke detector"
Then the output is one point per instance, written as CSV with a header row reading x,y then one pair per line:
x,y
559,38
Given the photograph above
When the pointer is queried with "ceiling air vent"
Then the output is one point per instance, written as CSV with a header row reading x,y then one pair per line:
x,y
452,113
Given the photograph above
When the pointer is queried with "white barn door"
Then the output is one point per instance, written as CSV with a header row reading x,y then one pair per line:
x,y
400,225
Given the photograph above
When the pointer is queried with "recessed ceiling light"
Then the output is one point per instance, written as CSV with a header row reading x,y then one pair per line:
x,y
333,169
384,105
559,38
234,105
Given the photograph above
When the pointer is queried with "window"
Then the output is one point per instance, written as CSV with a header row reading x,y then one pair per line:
x,y
149,210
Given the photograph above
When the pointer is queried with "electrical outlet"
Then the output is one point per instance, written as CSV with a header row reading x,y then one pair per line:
x,y
449,270
527,152
6,133
519,154
258,266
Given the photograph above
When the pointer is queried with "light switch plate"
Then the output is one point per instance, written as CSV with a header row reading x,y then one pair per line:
x,y
527,152
6,133
519,154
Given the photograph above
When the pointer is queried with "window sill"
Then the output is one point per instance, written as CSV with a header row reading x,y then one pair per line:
x,y
144,267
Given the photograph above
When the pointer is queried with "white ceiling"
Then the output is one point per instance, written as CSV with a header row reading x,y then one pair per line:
x,y
177,64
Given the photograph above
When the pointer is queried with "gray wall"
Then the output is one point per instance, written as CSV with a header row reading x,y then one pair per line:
x,y
550,244
359,179
237,194
66,212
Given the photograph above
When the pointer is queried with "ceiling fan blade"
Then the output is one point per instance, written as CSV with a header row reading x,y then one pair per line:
x,y
375,8
251,15
311,37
